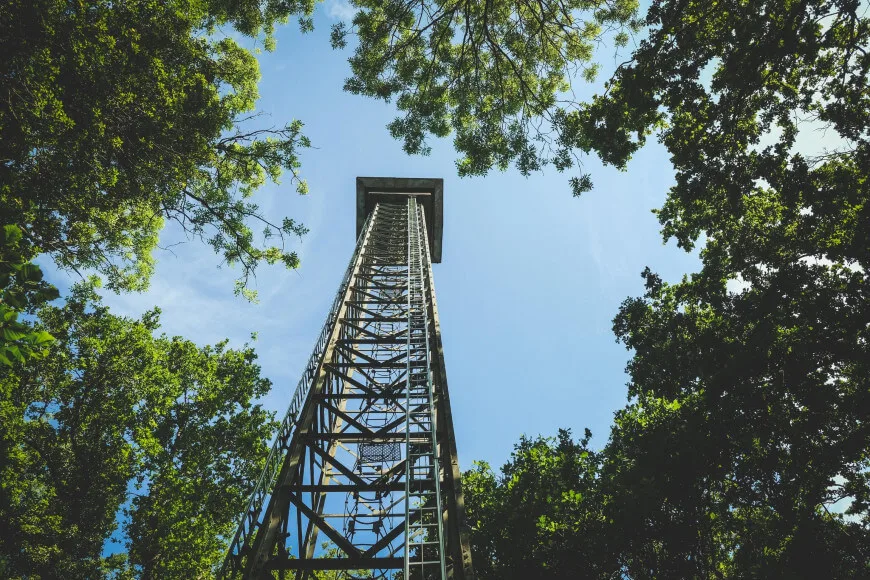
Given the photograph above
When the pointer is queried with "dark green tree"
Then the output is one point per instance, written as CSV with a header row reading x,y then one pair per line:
x,y
541,516
118,116
751,375
750,425
117,421
747,430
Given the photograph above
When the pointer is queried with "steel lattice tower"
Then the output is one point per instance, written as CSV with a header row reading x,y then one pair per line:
x,y
366,453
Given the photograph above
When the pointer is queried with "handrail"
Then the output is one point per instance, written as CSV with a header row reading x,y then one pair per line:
x,y
248,521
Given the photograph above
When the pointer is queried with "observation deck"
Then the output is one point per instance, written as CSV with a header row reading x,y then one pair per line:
x,y
428,191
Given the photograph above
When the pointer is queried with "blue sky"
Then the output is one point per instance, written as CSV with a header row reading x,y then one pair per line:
x,y
530,279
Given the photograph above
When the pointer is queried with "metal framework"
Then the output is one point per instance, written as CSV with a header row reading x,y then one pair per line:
x,y
366,455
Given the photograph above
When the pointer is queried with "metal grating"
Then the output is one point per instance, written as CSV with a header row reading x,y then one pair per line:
x,y
379,452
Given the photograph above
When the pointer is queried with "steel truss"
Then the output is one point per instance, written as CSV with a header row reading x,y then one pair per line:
x,y
366,453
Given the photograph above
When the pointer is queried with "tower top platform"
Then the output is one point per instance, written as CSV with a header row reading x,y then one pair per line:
x,y
428,191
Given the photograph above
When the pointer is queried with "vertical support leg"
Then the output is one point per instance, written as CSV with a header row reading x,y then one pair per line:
x,y
370,463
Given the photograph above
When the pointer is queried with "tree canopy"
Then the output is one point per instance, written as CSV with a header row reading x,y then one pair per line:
x,y
497,73
540,517
743,451
118,116
770,375
654,504
22,289
119,433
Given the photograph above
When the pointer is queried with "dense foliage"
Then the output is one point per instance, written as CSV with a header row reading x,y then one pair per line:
x,y
119,423
748,431
117,116
497,73
769,380
21,290
649,506
541,516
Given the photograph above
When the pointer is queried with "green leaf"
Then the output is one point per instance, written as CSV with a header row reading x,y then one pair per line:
x,y
11,335
30,273
11,235
42,337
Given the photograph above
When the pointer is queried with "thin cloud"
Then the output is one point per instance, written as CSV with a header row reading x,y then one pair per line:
x,y
341,10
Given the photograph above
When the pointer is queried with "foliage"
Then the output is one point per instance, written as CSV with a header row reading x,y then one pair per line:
x,y
768,381
750,425
21,289
497,73
652,505
775,70
119,419
747,431
117,116
540,517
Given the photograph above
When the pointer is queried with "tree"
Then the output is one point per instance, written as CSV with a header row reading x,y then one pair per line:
x,y
21,290
118,421
117,116
749,426
754,400
497,73
748,422
541,517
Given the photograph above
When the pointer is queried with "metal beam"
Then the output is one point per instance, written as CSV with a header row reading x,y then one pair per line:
x,y
337,564
370,460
